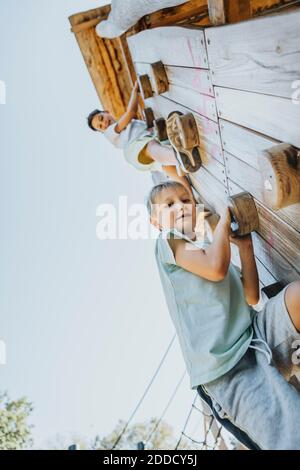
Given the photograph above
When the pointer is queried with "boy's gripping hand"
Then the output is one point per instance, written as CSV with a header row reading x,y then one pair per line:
x,y
241,242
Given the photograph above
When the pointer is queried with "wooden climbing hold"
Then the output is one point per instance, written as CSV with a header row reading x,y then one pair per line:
x,y
160,77
243,212
280,170
189,159
188,130
160,128
149,117
145,86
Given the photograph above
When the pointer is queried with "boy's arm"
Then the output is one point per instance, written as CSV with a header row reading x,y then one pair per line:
x,y
131,110
250,278
213,261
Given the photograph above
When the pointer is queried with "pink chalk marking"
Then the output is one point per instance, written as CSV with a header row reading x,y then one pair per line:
x,y
191,50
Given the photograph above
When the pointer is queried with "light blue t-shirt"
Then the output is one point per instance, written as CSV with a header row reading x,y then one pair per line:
x,y
212,319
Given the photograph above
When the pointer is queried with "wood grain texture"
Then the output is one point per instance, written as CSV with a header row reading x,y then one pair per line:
x,y
197,102
173,45
193,11
261,55
198,80
250,180
275,231
105,62
216,11
275,117
245,144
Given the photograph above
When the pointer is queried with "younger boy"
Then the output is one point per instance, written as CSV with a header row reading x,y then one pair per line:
x,y
240,358
140,146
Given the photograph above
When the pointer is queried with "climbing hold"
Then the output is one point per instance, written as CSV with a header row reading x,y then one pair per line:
x,y
244,216
189,159
188,130
145,86
160,77
160,129
280,171
149,117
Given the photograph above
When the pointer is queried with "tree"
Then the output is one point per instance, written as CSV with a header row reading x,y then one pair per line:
x,y
15,432
159,437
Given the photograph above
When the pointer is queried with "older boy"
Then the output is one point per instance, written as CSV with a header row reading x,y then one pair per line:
x,y
240,358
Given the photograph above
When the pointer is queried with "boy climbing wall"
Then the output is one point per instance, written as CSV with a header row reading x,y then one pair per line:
x,y
140,146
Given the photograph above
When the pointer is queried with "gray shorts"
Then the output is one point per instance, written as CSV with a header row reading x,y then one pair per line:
x,y
261,394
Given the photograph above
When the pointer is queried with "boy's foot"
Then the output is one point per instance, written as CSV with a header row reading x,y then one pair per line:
x,y
188,159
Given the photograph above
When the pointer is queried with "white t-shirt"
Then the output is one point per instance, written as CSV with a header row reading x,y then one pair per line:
x,y
132,141
135,129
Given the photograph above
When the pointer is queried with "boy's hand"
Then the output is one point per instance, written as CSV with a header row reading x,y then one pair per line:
x,y
241,242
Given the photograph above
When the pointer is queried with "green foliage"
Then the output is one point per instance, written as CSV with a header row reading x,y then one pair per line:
x,y
161,439
15,432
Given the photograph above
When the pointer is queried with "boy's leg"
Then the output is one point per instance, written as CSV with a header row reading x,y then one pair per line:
x,y
161,153
277,325
257,399
256,395
292,301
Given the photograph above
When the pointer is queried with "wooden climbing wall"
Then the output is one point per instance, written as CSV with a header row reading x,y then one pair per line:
x,y
238,80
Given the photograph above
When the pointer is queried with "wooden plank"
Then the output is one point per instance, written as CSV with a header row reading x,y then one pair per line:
x,y
105,62
210,189
274,261
194,11
198,102
248,146
275,117
173,45
195,79
198,80
275,231
249,179
244,144
209,130
215,200
261,55
261,7
237,10
265,277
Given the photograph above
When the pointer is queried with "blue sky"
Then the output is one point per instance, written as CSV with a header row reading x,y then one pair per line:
x,y
84,321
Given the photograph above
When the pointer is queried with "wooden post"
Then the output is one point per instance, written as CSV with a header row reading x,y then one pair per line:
x,y
216,11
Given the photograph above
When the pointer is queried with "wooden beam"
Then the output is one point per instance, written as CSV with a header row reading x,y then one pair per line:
x,y
260,55
105,61
216,10
237,10
194,11
78,28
